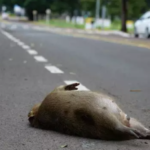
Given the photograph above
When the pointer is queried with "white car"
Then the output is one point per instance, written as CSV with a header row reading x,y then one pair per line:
x,y
142,26
5,16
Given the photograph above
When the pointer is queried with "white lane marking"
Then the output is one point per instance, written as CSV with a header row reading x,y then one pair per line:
x,y
32,52
25,47
53,69
20,43
40,59
14,39
10,36
80,87
6,34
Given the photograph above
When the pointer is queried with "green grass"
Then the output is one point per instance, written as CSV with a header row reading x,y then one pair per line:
x,y
12,15
131,31
61,23
116,25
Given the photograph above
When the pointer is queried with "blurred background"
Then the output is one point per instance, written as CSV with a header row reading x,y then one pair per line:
x,y
82,14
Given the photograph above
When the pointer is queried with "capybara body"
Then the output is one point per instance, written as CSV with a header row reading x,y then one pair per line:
x,y
87,114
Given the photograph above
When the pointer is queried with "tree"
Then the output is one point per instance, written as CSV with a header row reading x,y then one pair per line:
x,y
148,3
39,5
135,10
114,7
61,6
11,3
88,5
124,15
7,3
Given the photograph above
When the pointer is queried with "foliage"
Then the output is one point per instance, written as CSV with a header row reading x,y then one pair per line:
x,y
135,9
40,6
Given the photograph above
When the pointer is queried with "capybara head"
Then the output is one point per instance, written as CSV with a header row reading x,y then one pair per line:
x,y
33,113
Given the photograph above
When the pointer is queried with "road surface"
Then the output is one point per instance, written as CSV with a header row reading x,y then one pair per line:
x,y
34,61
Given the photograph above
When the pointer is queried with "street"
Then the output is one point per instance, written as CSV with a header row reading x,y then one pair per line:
x,y
33,62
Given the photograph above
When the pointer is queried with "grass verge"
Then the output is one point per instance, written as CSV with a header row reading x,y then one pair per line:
x,y
61,24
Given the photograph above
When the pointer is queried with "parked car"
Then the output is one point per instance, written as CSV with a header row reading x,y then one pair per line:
x,y
142,26
5,16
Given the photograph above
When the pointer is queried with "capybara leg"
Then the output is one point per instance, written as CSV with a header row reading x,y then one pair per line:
x,y
135,124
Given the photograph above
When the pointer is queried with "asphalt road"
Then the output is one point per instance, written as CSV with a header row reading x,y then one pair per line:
x,y
26,78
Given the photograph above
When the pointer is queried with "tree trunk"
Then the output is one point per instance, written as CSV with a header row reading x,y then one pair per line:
x,y
124,15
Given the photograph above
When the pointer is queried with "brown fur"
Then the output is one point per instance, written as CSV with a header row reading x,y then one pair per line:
x,y
87,114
